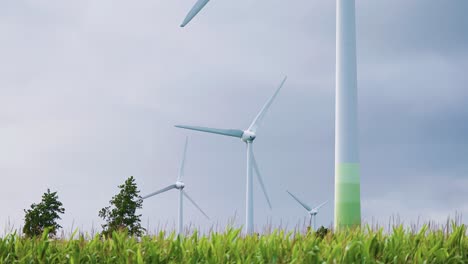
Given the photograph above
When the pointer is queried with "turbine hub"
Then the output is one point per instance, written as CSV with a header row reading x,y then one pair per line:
x,y
313,212
248,136
179,185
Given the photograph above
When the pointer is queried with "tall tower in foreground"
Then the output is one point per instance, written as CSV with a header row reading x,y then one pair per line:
x,y
347,173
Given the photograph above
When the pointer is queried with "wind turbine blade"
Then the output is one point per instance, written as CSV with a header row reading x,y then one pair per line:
x,y
322,204
258,119
170,187
299,201
260,180
194,11
182,164
196,205
226,132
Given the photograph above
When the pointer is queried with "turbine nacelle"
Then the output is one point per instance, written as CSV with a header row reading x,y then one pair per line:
x,y
248,136
179,185
313,212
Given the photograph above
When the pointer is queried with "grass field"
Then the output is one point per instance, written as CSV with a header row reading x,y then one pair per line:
x,y
445,245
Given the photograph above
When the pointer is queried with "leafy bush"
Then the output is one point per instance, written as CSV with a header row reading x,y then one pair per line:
x,y
322,232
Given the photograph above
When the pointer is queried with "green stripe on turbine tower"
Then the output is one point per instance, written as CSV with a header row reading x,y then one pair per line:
x,y
347,194
347,175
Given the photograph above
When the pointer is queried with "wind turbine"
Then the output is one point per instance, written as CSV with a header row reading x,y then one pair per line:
x,y
248,136
312,211
179,185
347,168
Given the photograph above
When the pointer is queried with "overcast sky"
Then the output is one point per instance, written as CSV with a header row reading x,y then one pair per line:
x,y
90,92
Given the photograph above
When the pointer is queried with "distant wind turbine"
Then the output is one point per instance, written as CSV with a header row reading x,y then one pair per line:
x,y
312,211
179,185
248,136
347,167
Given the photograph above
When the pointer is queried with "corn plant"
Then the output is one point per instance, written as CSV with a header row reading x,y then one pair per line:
x,y
362,245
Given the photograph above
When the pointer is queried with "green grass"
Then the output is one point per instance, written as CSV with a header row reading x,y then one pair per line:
x,y
355,246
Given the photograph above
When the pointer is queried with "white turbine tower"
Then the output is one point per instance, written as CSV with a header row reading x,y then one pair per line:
x,y
312,211
179,185
347,168
347,172
248,136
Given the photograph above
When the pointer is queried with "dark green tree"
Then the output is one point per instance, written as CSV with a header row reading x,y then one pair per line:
x,y
121,214
43,215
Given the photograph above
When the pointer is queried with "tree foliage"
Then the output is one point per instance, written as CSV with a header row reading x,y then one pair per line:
x,y
43,215
121,214
322,232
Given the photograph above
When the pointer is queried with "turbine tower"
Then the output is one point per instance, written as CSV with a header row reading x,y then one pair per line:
x,y
179,185
347,175
312,211
347,172
248,136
